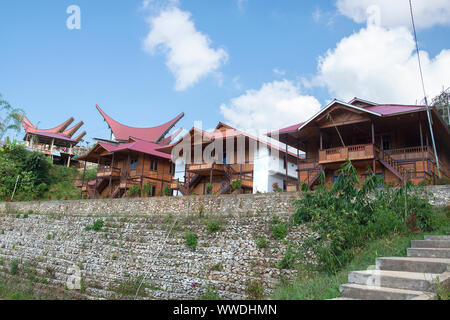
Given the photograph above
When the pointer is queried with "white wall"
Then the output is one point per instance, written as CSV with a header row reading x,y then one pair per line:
x,y
269,169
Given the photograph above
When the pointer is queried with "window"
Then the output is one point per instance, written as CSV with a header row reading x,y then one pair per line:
x,y
386,142
133,164
172,168
153,191
153,164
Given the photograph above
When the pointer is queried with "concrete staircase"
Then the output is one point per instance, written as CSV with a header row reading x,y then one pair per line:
x,y
403,278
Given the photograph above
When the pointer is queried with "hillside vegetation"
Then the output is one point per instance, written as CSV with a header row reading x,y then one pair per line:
x,y
26,176
356,222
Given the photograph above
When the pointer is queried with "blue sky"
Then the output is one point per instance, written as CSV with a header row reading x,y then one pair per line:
x,y
269,62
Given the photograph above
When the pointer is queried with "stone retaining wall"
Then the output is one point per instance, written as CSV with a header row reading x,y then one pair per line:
x,y
42,241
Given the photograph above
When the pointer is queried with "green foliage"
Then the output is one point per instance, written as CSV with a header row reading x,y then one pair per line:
x,y
131,287
261,242
288,259
191,240
213,226
217,267
167,191
14,267
96,226
90,174
147,189
9,118
279,231
134,191
37,178
255,290
312,284
209,187
346,217
236,184
442,290
210,294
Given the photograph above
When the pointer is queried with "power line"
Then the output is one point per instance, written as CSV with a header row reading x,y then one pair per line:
x,y
424,92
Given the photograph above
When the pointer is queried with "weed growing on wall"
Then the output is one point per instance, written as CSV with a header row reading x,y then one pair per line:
x,y
96,226
191,240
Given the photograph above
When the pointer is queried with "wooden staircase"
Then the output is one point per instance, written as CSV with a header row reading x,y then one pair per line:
x,y
392,165
318,171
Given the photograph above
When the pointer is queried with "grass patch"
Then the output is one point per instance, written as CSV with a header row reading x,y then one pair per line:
x,y
96,226
129,287
313,285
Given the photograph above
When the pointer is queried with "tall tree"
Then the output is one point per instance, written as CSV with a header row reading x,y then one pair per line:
x,y
9,118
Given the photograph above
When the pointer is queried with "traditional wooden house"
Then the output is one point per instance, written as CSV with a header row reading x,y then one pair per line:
x,y
393,141
130,161
58,143
213,160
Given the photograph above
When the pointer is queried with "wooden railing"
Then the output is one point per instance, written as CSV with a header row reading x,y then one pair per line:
x,y
206,166
411,153
339,154
106,172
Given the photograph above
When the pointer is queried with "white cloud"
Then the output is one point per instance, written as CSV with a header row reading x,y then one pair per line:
x,y
380,64
275,105
189,54
279,72
394,13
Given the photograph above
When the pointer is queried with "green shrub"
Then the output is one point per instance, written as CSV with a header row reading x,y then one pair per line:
x,y
167,191
213,226
255,290
14,267
346,217
209,188
288,259
261,242
134,191
96,226
191,240
236,184
279,231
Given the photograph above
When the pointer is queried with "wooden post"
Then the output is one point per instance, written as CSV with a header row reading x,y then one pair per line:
x,y
321,140
82,180
128,170
298,171
286,159
110,177
51,148
373,146
142,171
96,178
421,145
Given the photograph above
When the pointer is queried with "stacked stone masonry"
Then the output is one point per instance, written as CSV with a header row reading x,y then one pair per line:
x,y
144,239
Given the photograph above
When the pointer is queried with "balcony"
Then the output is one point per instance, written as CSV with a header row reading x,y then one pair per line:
x,y
340,154
109,172
205,168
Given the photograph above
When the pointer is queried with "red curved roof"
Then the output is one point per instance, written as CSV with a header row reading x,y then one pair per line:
x,y
155,135
55,133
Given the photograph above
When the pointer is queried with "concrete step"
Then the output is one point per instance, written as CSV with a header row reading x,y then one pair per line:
x,y
413,264
437,237
429,252
430,243
357,291
393,279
